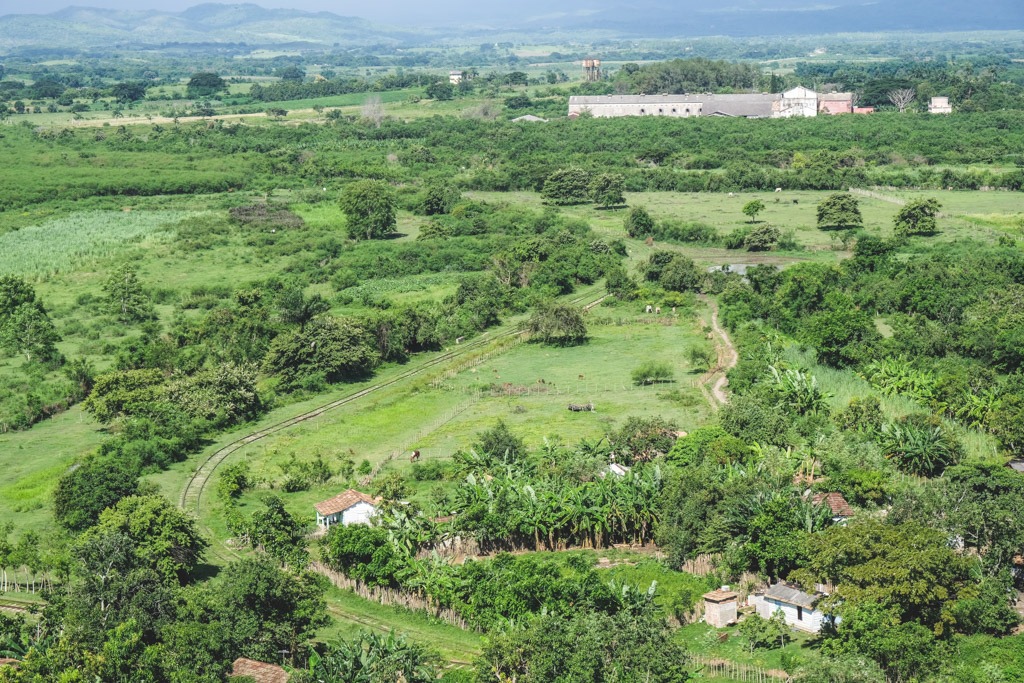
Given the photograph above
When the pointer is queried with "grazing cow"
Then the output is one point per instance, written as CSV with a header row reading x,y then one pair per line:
x,y
778,189
581,408
459,340
673,310
415,456
650,309
658,310
731,194
581,377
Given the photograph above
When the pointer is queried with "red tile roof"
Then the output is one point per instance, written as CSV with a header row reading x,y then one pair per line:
x,y
836,502
261,672
343,501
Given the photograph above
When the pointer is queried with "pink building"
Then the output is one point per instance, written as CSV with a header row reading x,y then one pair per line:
x,y
835,103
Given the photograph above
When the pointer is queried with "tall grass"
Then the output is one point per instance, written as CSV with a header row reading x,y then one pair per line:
x,y
61,244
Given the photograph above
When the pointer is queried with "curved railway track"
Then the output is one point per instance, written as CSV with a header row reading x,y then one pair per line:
x,y
191,495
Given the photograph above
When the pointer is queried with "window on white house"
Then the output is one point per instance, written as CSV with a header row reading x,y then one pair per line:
x,y
799,613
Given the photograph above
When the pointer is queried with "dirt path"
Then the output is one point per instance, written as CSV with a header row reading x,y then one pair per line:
x,y
714,381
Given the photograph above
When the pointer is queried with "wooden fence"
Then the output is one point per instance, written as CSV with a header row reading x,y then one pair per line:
x,y
390,596
734,671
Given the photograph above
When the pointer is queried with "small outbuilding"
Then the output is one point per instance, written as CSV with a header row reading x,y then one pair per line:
x,y
261,672
841,510
720,607
348,507
940,105
798,608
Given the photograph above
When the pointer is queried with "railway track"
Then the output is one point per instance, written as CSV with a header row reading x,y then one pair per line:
x,y
191,495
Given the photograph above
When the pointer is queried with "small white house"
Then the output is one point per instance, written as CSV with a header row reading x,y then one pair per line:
x,y
348,507
940,105
798,608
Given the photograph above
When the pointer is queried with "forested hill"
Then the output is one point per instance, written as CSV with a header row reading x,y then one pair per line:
x,y
84,27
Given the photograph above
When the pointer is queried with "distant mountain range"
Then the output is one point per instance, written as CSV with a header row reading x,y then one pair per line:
x,y
90,27
84,27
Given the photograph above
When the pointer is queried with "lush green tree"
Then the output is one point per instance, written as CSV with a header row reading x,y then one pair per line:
x,y
328,350
842,334
752,208
567,186
123,393
440,90
110,582
89,488
762,238
278,533
764,633
586,647
682,274
291,73
164,538
363,553
917,217
903,650
559,324
125,295
619,284
128,91
439,199
652,372
499,441
638,222
840,211
298,309
370,209
641,439
267,610
606,189
29,331
15,292
908,568
205,84
223,395
233,480
753,421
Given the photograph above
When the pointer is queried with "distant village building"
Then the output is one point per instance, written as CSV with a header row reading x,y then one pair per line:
x,y
720,607
863,110
261,672
795,102
529,118
798,608
456,77
348,507
841,510
835,103
940,105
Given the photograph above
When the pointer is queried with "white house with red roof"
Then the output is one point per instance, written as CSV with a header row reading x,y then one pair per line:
x,y
348,507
